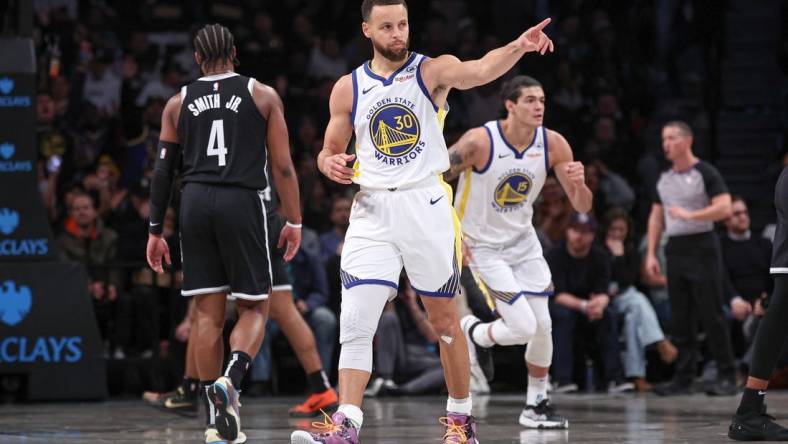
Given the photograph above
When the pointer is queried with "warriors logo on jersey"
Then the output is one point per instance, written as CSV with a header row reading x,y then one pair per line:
x,y
394,130
512,190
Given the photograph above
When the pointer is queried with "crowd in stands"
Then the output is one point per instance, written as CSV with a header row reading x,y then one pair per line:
x,y
106,69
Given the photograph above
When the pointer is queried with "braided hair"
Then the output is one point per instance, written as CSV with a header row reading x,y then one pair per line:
x,y
214,43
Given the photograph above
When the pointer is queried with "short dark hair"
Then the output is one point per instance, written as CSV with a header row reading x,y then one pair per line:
x,y
512,89
366,6
683,127
214,43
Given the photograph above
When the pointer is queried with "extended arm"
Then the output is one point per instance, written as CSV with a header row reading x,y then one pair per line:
x,y
449,71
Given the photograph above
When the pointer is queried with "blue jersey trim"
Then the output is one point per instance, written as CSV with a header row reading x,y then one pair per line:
x,y
422,86
490,157
350,285
538,293
355,99
435,294
385,81
517,154
546,151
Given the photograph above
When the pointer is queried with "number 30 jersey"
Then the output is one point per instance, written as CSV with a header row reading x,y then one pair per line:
x,y
222,133
399,130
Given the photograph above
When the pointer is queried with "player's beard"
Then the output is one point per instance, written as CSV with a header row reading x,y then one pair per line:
x,y
390,54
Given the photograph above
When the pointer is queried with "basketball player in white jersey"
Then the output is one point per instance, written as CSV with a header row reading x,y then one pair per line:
x,y
403,215
502,167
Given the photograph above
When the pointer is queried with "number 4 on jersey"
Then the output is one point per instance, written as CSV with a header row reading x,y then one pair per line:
x,y
216,142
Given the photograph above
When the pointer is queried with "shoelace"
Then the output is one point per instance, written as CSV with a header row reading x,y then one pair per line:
x,y
453,430
328,425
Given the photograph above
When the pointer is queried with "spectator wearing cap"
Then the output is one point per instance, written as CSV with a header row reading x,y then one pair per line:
x,y
690,196
583,320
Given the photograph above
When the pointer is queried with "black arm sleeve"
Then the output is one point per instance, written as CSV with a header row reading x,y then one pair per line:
x,y
161,185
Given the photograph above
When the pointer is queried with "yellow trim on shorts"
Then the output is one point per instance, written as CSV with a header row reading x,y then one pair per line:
x,y
455,221
466,193
485,291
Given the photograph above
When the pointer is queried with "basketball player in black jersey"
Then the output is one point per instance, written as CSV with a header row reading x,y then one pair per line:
x,y
224,127
751,423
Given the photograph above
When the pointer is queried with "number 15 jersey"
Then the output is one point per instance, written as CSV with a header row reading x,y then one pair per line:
x,y
399,130
222,133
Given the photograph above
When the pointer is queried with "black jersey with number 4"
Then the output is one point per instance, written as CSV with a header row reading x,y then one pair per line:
x,y
222,133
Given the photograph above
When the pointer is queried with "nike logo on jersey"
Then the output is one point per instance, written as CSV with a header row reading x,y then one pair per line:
x,y
153,225
501,156
368,89
434,201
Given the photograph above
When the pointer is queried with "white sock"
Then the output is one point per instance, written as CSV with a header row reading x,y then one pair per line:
x,y
459,406
537,390
481,335
353,413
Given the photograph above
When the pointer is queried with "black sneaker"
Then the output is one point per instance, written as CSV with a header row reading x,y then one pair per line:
x,y
542,416
483,355
178,402
756,426
723,387
673,388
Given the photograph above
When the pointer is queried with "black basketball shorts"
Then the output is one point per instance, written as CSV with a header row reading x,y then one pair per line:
x,y
224,242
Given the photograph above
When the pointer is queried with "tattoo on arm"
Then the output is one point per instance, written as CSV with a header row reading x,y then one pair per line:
x,y
455,158
455,166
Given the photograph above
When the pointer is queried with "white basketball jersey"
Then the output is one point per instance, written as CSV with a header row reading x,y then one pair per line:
x,y
399,130
495,204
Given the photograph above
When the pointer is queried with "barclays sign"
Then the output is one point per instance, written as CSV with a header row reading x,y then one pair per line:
x,y
10,101
8,165
9,222
15,304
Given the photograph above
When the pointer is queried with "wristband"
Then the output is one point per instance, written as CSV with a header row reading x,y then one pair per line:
x,y
583,306
291,225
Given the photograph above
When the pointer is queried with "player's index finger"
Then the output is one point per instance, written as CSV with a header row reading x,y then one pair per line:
x,y
543,23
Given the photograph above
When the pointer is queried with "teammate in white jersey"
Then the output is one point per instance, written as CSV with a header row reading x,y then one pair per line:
x,y
502,167
403,215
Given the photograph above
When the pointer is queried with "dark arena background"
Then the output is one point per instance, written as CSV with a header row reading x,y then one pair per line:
x,y
93,344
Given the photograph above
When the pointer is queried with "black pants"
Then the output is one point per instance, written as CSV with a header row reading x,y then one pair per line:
x,y
694,271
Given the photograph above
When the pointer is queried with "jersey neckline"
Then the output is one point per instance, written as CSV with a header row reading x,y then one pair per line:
x,y
384,80
221,76
517,153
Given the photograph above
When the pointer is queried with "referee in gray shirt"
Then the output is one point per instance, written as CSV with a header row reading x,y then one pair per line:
x,y
691,196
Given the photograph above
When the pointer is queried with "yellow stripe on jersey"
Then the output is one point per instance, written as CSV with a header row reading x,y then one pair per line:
x,y
466,192
356,166
455,222
442,116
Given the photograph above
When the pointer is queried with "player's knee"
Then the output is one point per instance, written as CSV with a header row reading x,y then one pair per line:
x,y
353,327
445,324
523,330
544,326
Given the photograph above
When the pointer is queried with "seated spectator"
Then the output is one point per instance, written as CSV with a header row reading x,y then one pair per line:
x,y
310,290
85,239
332,240
746,260
580,309
641,328
406,358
